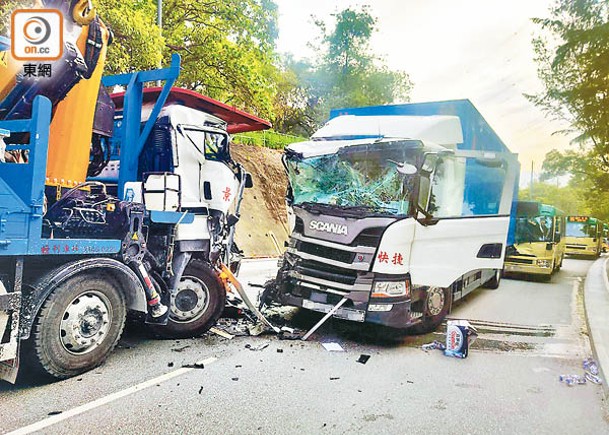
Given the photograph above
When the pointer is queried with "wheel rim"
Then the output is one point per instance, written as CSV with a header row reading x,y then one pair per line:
x,y
435,301
85,322
190,300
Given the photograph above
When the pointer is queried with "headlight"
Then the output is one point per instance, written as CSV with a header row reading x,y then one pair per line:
x,y
543,263
390,289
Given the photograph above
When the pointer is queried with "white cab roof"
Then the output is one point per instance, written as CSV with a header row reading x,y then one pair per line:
x,y
442,130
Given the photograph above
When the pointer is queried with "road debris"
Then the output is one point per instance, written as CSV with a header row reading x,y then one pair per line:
x,y
54,412
279,350
333,347
180,349
221,333
433,345
201,389
325,318
460,335
197,365
334,378
257,348
170,364
363,359
235,379
591,371
571,380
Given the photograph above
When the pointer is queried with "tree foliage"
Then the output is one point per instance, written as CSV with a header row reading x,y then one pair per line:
x,y
227,49
569,199
345,73
573,64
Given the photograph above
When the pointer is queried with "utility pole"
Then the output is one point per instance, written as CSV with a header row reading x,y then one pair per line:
x,y
159,22
531,184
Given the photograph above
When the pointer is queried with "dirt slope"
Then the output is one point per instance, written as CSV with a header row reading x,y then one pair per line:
x,y
262,230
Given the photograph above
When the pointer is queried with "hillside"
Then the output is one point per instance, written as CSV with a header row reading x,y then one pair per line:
x,y
262,230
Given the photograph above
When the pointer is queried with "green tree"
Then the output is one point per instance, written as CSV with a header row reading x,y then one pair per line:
x,y
569,199
227,49
137,44
349,73
573,64
346,73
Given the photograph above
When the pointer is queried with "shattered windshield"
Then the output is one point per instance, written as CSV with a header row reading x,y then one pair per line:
x,y
356,176
531,229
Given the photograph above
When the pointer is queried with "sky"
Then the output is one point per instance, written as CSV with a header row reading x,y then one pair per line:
x,y
452,49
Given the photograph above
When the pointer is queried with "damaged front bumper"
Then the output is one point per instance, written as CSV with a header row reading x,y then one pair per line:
x,y
297,289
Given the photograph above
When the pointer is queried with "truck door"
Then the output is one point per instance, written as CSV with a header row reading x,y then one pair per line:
x,y
464,205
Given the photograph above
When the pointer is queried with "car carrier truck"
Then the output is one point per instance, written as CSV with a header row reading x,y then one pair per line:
x,y
396,212
109,204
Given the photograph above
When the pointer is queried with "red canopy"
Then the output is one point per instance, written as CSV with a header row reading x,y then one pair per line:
x,y
238,121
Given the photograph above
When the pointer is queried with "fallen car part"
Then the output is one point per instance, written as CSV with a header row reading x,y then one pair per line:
x,y
231,282
325,318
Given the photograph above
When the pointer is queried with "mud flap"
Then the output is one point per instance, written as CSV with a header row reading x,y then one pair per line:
x,y
10,304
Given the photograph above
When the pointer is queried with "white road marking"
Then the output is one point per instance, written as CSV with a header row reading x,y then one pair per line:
x,y
105,400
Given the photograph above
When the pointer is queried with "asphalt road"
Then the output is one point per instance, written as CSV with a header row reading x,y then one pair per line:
x,y
530,333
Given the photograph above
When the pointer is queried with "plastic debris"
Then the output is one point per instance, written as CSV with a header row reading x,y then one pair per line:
x,y
433,346
460,335
180,349
333,347
363,359
201,389
571,380
590,366
235,379
594,379
334,378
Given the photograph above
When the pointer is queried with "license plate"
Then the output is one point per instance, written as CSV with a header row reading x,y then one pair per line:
x,y
342,313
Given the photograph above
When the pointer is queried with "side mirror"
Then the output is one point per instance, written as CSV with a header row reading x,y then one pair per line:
x,y
231,220
249,182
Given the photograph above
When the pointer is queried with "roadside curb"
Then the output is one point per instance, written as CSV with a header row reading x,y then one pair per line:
x,y
596,304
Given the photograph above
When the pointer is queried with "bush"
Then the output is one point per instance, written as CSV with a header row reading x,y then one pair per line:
x,y
269,139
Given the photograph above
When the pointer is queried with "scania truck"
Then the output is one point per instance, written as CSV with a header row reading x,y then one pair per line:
x,y
396,212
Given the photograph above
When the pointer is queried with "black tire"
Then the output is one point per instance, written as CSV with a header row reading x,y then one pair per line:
x,y
562,257
60,346
190,314
493,283
437,304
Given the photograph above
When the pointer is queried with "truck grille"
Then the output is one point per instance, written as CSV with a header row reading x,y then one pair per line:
x,y
370,237
576,247
519,260
319,270
325,252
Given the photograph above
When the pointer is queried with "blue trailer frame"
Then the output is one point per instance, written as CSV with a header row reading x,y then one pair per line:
x,y
22,185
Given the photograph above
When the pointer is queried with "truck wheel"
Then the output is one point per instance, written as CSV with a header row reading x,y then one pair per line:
x,y
197,304
77,327
493,283
437,304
